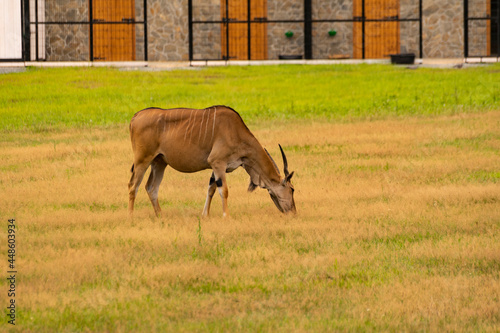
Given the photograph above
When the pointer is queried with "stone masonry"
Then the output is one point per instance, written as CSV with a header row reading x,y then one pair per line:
x,y
443,33
207,39
65,42
408,38
278,42
168,31
70,41
478,30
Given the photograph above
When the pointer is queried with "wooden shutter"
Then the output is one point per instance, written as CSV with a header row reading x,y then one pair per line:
x,y
381,38
113,42
259,30
237,33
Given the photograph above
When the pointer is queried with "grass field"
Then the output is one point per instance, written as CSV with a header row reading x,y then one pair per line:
x,y
397,192
41,100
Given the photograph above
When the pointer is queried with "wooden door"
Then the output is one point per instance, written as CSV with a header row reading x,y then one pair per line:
x,y
237,28
114,41
381,37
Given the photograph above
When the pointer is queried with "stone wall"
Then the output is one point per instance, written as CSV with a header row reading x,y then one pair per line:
x,y
168,31
207,38
478,30
324,45
71,42
443,32
278,42
139,30
168,35
409,32
65,42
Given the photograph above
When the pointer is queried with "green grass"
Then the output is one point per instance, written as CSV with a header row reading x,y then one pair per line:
x,y
398,227
44,99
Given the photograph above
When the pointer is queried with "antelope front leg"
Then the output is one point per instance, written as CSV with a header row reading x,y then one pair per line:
x,y
224,193
220,182
211,190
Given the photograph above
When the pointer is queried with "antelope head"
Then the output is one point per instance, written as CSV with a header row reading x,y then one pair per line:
x,y
282,193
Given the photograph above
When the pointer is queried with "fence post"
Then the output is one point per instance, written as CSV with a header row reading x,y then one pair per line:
x,y
227,29
307,29
91,32
420,29
36,30
498,30
26,30
249,30
190,28
363,18
466,28
145,18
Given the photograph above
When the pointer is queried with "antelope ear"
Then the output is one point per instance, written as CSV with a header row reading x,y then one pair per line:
x,y
251,186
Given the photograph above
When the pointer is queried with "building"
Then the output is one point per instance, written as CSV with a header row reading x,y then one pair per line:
x,y
176,30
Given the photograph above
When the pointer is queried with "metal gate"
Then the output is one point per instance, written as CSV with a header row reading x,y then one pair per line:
x,y
481,28
117,30
298,29
87,30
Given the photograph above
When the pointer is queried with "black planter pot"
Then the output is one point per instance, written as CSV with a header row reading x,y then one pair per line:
x,y
290,57
403,59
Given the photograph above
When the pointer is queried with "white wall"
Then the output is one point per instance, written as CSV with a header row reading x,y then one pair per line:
x,y
10,30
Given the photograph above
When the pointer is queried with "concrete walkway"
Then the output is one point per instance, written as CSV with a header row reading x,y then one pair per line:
x,y
153,65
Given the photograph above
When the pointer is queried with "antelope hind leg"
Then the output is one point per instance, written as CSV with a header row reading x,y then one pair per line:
x,y
153,185
138,171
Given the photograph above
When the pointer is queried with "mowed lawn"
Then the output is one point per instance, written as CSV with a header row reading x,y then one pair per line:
x,y
397,176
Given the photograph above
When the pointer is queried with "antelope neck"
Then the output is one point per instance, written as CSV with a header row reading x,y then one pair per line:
x,y
262,170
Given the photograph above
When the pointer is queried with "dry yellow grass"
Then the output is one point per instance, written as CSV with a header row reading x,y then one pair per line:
x,y
397,229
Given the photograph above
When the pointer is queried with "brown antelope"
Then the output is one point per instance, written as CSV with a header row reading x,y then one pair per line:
x,y
191,140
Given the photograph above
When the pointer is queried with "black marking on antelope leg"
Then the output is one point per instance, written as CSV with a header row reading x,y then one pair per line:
x,y
218,182
212,180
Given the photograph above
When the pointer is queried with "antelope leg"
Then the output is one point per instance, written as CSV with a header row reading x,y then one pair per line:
x,y
211,190
153,185
138,171
220,180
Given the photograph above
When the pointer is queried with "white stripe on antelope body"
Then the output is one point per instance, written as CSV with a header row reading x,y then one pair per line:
x,y
191,140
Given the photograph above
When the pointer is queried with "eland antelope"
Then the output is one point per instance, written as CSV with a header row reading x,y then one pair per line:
x,y
191,140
